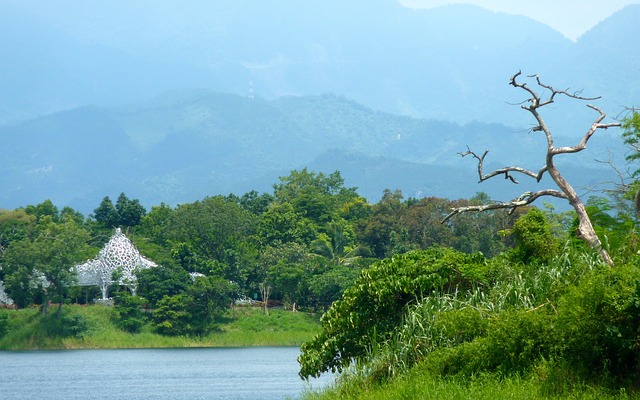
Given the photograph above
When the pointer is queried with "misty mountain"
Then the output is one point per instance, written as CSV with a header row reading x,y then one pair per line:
x,y
183,146
450,63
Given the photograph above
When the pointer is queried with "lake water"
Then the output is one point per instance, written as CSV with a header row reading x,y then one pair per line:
x,y
256,373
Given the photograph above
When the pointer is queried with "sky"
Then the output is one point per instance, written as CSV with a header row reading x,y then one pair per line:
x,y
572,18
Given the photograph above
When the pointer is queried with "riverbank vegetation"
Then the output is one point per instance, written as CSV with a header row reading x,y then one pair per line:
x,y
547,318
298,248
490,302
94,327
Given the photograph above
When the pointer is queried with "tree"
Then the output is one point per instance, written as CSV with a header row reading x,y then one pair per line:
x,y
126,212
167,279
43,264
130,211
337,244
254,202
280,223
285,269
377,231
631,136
315,196
533,237
46,208
533,104
19,268
211,226
14,225
210,296
171,315
106,213
127,312
58,248
265,291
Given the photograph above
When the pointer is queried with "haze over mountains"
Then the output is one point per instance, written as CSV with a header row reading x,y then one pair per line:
x,y
231,95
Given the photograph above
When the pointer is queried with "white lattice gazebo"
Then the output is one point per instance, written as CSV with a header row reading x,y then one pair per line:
x,y
120,255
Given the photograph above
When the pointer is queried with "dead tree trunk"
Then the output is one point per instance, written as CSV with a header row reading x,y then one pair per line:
x,y
585,229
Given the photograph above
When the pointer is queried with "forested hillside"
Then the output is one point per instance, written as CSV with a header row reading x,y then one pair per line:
x,y
187,145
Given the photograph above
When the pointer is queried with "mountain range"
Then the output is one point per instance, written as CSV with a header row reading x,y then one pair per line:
x,y
385,94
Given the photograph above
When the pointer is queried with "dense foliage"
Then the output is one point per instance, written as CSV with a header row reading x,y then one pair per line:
x,y
494,293
306,242
553,313
372,308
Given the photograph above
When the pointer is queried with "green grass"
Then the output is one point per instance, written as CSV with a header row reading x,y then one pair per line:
x,y
418,384
28,330
253,328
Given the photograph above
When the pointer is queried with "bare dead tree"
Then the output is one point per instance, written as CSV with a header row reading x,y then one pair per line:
x,y
564,190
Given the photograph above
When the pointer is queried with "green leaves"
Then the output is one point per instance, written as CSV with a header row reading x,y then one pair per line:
x,y
631,136
126,212
377,300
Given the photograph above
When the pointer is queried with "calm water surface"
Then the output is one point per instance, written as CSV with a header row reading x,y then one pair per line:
x,y
263,373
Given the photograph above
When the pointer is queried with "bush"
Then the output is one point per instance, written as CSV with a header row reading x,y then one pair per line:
x,y
64,326
171,316
127,313
374,306
598,324
534,239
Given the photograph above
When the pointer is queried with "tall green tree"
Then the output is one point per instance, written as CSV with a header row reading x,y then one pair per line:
x,y
280,223
318,197
59,247
631,136
130,211
44,262
378,230
106,214
211,225
44,209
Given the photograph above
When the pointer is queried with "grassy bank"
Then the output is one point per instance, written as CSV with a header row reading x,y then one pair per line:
x,y
419,384
92,327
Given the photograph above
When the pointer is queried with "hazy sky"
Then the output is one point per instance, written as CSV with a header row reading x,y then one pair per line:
x,y
570,17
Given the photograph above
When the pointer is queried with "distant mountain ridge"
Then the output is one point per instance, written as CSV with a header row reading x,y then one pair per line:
x,y
184,146
449,63
109,97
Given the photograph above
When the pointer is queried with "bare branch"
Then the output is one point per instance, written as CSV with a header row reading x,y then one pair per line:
x,y
585,229
524,199
597,124
536,100
506,171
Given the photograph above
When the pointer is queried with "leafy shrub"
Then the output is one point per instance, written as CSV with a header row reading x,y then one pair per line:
x,y
374,306
75,326
598,324
171,316
127,312
64,326
534,239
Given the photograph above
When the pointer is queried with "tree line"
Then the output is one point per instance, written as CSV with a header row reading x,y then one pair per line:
x,y
306,241
300,246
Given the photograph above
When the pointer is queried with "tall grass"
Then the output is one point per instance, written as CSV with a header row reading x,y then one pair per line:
x,y
488,342
418,384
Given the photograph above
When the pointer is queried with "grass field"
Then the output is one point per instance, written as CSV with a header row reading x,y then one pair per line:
x,y
92,327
